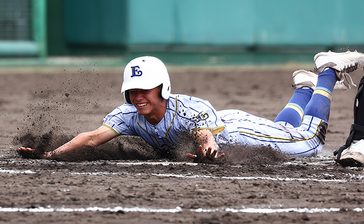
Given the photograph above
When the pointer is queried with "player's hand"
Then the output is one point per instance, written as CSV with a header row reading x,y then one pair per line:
x,y
29,153
206,154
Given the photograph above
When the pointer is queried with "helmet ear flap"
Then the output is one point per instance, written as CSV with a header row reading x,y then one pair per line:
x,y
165,90
160,92
126,96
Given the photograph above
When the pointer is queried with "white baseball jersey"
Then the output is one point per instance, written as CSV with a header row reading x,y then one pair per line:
x,y
186,113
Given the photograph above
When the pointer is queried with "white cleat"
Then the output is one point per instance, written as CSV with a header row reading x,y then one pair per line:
x,y
343,63
353,155
303,78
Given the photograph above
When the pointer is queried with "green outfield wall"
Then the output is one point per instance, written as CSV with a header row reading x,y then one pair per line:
x,y
246,22
63,27
222,24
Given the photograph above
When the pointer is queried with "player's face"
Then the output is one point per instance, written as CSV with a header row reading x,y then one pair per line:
x,y
148,103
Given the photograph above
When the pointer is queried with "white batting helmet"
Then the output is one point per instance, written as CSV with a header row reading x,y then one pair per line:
x,y
146,72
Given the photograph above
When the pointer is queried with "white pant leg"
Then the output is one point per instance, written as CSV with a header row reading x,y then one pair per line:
x,y
247,129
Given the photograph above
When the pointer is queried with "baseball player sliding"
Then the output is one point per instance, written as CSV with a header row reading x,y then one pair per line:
x,y
160,118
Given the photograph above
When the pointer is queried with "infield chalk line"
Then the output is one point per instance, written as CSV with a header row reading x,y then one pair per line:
x,y
164,163
169,175
139,163
16,171
179,209
249,178
168,163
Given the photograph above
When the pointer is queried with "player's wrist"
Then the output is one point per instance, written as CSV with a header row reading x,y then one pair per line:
x,y
47,155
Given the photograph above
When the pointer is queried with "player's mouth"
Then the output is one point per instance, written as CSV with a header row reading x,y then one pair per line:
x,y
141,105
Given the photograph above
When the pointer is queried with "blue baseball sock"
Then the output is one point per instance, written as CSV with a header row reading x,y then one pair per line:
x,y
293,112
319,105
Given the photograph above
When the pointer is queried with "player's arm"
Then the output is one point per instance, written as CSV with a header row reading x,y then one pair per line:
x,y
206,145
83,141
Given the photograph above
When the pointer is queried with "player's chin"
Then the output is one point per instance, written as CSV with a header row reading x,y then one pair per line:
x,y
144,110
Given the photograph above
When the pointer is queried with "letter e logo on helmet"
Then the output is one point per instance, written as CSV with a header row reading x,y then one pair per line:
x,y
135,71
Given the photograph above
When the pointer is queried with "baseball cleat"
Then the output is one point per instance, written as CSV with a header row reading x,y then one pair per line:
x,y
353,155
343,63
303,78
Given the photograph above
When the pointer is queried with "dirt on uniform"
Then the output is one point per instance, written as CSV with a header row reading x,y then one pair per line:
x,y
124,180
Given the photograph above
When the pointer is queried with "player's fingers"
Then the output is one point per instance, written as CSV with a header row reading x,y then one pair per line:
x,y
201,151
209,151
29,153
213,154
24,149
191,155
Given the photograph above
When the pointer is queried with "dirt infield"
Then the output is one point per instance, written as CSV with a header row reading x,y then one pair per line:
x,y
254,185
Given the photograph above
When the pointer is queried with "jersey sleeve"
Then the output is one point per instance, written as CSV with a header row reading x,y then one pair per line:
x,y
119,119
200,114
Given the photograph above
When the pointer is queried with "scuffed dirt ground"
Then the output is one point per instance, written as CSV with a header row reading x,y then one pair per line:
x,y
65,102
